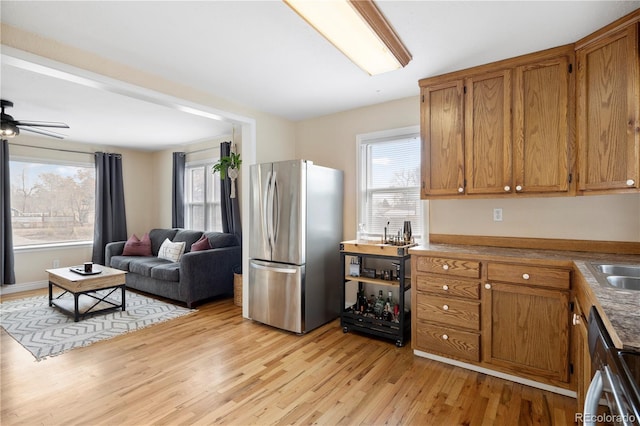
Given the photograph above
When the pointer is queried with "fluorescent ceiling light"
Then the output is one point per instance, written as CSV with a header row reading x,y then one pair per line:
x,y
358,29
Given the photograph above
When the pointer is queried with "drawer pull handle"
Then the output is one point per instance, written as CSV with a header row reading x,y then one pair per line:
x,y
445,307
445,267
487,286
507,188
525,276
445,337
576,319
518,188
445,287
460,190
630,182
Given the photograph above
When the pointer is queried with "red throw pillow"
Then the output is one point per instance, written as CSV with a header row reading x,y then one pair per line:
x,y
201,244
137,247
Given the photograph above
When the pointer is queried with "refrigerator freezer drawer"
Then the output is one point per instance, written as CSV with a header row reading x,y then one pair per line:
x,y
275,294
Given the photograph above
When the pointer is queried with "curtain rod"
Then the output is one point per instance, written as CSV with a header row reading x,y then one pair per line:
x,y
201,150
53,149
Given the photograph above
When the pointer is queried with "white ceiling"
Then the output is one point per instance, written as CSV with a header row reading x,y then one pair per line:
x,y
262,55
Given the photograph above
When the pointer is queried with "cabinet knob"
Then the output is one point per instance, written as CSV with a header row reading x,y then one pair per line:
x,y
445,267
445,287
576,319
518,188
445,307
525,276
631,182
445,337
487,286
507,188
460,190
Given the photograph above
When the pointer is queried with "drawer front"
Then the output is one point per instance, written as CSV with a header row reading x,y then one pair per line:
x,y
449,311
443,340
532,275
448,287
453,267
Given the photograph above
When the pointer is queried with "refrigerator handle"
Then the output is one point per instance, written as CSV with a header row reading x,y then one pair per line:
x,y
275,210
266,217
274,269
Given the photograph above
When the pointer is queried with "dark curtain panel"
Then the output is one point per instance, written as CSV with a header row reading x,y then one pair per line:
x,y
230,206
6,246
110,223
177,190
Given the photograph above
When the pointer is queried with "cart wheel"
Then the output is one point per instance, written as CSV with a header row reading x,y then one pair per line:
x,y
345,329
399,343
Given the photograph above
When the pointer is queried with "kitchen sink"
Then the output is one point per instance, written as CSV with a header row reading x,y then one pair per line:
x,y
627,283
622,270
623,277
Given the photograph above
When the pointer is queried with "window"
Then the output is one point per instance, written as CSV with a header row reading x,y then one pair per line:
x,y
389,183
202,198
52,202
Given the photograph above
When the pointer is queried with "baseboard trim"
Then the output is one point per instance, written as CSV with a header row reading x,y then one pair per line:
x,y
591,246
17,288
498,374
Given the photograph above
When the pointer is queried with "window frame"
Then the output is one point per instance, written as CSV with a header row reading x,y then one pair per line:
x,y
206,164
39,159
362,175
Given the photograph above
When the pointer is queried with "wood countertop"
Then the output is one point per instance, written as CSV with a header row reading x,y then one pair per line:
x,y
620,309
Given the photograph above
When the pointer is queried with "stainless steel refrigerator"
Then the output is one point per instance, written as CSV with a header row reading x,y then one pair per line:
x,y
295,234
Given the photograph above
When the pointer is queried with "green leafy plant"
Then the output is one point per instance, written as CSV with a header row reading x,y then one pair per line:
x,y
232,161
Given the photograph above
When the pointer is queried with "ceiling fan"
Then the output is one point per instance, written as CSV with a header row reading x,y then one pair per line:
x,y
10,128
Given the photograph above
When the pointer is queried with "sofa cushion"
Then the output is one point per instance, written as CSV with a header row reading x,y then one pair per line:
x,y
158,236
220,240
143,265
166,272
137,247
122,262
188,237
171,251
201,244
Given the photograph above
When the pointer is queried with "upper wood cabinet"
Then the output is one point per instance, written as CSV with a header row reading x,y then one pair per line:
x,y
608,108
501,128
442,132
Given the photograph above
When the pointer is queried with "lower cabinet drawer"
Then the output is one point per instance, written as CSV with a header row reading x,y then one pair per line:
x,y
446,341
448,311
431,283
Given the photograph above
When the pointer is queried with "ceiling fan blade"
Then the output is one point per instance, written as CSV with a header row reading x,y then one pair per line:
x,y
42,124
42,132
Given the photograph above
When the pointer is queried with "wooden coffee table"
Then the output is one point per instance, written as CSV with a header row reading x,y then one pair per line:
x,y
83,288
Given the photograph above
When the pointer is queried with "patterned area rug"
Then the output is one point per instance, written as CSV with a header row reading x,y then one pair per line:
x,y
46,331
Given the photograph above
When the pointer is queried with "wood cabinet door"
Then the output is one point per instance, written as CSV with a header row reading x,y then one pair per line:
x,y
608,112
581,356
542,132
488,157
527,330
442,139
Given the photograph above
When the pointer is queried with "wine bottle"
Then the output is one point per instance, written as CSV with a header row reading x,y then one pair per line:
x,y
378,307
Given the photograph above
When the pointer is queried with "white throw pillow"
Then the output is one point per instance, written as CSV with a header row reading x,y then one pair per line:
x,y
171,251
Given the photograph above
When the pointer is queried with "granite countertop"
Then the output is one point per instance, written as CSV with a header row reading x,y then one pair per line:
x,y
621,307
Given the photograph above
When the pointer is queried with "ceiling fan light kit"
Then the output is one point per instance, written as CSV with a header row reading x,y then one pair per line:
x,y
358,29
10,128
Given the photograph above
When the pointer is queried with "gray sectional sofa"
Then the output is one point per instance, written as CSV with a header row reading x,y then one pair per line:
x,y
198,276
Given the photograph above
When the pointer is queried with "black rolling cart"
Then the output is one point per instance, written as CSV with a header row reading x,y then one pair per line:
x,y
370,268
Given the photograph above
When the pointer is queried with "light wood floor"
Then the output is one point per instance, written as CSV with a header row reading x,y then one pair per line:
x,y
214,367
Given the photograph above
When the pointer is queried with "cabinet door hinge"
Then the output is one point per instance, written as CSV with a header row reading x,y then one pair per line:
x,y
422,98
570,177
570,368
572,306
423,185
464,89
570,68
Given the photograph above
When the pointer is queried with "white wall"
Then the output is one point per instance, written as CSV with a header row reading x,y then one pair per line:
x,y
331,141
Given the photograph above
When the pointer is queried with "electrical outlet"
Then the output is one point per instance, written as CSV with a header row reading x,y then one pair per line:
x,y
56,263
497,215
